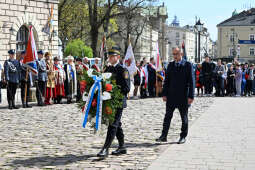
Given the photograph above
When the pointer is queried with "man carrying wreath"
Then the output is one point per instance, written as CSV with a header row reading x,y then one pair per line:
x,y
123,81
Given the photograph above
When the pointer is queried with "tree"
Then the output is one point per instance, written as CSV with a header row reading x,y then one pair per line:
x,y
99,18
78,48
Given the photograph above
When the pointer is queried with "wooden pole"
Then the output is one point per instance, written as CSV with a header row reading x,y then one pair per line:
x,y
156,84
25,97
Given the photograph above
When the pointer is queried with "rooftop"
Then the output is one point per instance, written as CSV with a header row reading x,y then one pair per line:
x,y
245,18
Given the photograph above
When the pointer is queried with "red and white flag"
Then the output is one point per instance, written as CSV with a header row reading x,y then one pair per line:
x,y
158,59
31,53
129,61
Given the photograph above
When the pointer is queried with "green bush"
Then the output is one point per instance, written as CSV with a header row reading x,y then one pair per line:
x,y
78,48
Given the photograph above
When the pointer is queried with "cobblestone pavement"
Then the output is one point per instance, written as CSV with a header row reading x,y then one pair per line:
x,y
52,137
223,138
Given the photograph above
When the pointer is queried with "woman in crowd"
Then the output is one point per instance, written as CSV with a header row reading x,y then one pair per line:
x,y
199,84
137,80
231,81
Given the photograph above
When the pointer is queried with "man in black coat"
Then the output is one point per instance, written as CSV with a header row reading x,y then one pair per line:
x,y
151,78
207,75
178,92
121,75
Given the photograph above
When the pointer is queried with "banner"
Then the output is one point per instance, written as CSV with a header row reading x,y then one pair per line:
x,y
31,53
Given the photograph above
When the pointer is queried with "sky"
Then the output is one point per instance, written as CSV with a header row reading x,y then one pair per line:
x,y
211,12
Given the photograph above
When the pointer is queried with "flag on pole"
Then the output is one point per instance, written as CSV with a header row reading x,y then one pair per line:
x,y
103,53
31,53
184,51
48,28
129,60
158,59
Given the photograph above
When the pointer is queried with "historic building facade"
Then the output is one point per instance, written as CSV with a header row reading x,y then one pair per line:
x,y
15,18
236,37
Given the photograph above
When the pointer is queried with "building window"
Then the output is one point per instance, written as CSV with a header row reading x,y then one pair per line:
x,y
232,38
252,53
252,37
177,35
22,38
231,52
177,43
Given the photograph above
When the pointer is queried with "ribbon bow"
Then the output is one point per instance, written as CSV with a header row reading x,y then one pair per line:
x,y
97,86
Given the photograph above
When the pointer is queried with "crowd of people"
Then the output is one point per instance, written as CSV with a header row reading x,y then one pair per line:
x,y
232,79
55,80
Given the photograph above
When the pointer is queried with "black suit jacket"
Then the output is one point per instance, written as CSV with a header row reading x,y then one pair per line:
x,y
179,84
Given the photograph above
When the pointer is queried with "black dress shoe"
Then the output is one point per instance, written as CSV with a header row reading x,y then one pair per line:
x,y
28,106
15,107
24,106
103,153
181,140
161,139
10,107
120,151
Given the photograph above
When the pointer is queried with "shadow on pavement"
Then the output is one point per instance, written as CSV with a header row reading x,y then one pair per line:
x,y
140,145
50,161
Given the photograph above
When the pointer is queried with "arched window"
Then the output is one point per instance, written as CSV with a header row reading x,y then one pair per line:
x,y
22,38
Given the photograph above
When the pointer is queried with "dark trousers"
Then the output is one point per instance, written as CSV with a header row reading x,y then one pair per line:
x,y
11,91
249,86
207,84
22,87
78,97
0,92
143,89
168,117
220,86
40,91
115,129
151,88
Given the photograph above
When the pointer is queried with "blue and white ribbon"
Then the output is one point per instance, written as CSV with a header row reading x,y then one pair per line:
x,y
97,86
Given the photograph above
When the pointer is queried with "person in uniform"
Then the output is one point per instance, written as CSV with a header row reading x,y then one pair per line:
x,y
123,80
178,92
51,78
59,90
41,79
12,78
151,78
70,80
25,81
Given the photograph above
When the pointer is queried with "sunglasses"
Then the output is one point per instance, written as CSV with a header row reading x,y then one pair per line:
x,y
175,53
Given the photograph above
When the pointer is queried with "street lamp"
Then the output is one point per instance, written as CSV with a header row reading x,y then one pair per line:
x,y
199,27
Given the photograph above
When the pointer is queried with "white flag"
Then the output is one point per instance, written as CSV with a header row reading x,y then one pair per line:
x,y
129,61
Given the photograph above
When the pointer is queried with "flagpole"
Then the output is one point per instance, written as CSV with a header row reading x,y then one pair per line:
x,y
129,42
25,97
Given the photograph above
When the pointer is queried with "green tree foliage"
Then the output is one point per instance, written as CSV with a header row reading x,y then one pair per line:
x,y
78,48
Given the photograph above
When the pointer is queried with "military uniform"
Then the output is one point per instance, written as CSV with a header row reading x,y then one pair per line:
x,y
41,80
25,82
151,80
123,80
12,77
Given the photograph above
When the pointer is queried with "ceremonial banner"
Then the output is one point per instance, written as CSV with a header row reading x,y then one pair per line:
x,y
129,61
158,59
48,28
184,51
31,53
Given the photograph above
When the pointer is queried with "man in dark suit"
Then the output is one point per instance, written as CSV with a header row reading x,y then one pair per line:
x,y
178,92
121,75
151,78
